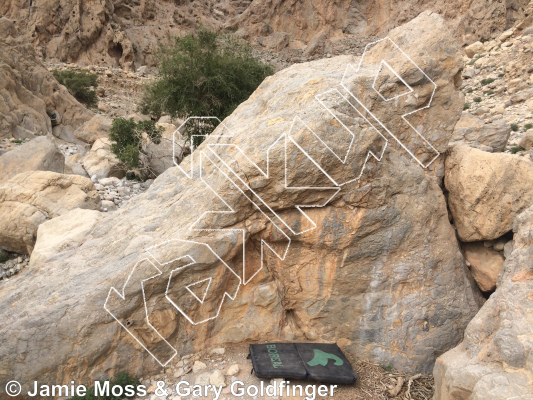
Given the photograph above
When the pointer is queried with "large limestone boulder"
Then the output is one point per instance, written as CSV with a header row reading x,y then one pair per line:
x,y
100,162
378,265
58,234
96,128
28,90
39,154
160,157
474,48
485,264
527,140
486,191
29,199
474,132
495,359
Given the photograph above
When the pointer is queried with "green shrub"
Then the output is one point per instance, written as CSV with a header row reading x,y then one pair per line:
x,y
528,126
466,106
516,149
126,139
131,176
5,256
488,92
470,90
80,84
205,74
122,379
501,75
477,99
486,81
514,127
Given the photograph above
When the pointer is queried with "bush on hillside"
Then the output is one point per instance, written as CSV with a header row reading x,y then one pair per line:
x,y
203,74
80,84
126,138
516,149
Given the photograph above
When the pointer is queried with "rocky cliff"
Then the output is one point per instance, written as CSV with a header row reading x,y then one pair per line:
x,y
127,33
310,21
112,33
29,92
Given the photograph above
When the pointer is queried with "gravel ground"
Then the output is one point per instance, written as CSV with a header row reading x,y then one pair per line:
x,y
374,382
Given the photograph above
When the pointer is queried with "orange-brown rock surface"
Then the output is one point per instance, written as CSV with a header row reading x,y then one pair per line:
x,y
378,267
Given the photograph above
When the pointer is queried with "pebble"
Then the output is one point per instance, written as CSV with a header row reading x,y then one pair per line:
x,y
217,378
233,370
109,181
203,379
218,350
198,366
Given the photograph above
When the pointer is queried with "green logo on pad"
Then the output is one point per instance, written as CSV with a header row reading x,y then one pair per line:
x,y
322,358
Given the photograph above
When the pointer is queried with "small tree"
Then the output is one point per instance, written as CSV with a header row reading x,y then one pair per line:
x,y
127,138
80,84
205,74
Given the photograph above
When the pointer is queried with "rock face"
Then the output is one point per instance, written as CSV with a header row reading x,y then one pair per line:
x,y
494,361
160,157
100,162
486,191
307,20
474,132
58,234
527,140
28,90
112,33
485,264
378,266
29,199
96,128
39,154
126,33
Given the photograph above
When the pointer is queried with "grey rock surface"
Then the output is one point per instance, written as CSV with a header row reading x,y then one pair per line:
x,y
39,154
473,132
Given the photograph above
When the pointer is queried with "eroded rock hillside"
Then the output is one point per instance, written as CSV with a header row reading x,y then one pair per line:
x,y
127,33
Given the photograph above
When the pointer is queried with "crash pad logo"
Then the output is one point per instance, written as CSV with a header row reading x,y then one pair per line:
x,y
188,277
322,358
